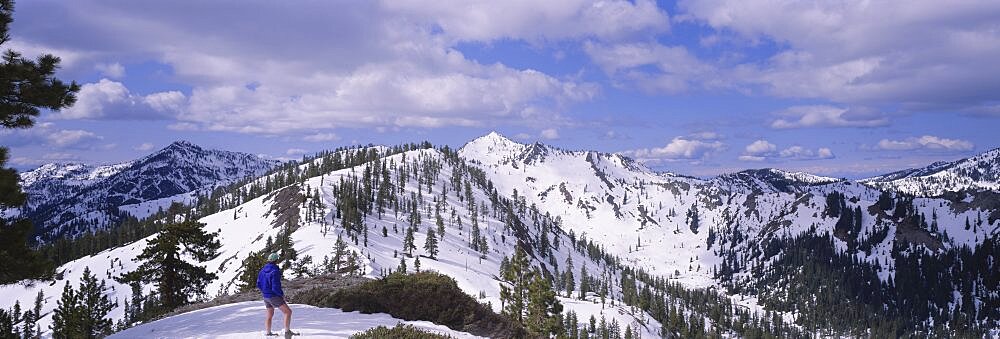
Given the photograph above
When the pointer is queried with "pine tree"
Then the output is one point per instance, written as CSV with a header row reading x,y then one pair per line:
x,y
431,245
339,253
543,308
65,318
569,281
7,328
408,245
29,326
694,220
176,280
439,221
484,247
95,306
83,314
516,277
26,87
416,263
250,268
286,248
474,234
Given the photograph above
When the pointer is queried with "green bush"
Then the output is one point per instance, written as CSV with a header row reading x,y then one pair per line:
x,y
400,332
427,296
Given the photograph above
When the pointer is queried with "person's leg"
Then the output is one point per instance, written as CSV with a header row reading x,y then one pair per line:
x,y
267,321
288,316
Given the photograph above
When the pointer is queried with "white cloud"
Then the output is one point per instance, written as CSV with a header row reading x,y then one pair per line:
x,y
52,137
63,138
861,52
760,147
55,157
144,147
93,97
706,135
32,50
392,64
763,150
926,142
295,151
112,70
751,158
614,135
802,153
321,137
400,95
550,133
986,110
107,99
536,21
651,66
680,148
170,101
845,52
827,116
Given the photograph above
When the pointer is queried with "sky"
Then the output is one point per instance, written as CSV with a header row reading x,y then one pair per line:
x,y
844,88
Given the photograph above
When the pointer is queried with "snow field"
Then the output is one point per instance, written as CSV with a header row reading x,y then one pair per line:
x,y
246,320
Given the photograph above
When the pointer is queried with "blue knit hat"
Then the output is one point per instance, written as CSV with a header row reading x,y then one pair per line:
x,y
273,257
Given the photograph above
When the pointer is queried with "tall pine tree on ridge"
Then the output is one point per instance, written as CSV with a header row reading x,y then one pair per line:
x,y
26,87
176,280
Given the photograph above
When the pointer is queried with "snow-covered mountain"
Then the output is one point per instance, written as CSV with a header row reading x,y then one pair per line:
x,y
766,238
422,182
980,172
52,181
634,211
771,180
746,221
65,200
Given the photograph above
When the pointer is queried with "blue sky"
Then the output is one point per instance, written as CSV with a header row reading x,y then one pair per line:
x,y
841,88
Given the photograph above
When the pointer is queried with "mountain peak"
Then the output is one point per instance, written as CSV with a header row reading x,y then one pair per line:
x,y
493,148
494,140
495,137
182,144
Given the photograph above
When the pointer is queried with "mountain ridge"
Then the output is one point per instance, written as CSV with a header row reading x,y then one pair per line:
x,y
73,199
749,233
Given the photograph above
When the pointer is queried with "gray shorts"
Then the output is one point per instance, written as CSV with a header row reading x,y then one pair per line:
x,y
273,302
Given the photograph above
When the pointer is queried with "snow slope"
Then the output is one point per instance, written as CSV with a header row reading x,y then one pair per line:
x,y
981,172
245,228
245,320
629,211
642,216
605,197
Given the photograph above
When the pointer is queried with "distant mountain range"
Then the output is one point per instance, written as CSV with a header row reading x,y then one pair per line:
x,y
915,248
76,194
66,199
979,172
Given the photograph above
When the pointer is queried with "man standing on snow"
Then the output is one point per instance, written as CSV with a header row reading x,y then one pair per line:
x,y
269,284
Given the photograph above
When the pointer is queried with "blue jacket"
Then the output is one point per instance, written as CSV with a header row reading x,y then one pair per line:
x,y
269,281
